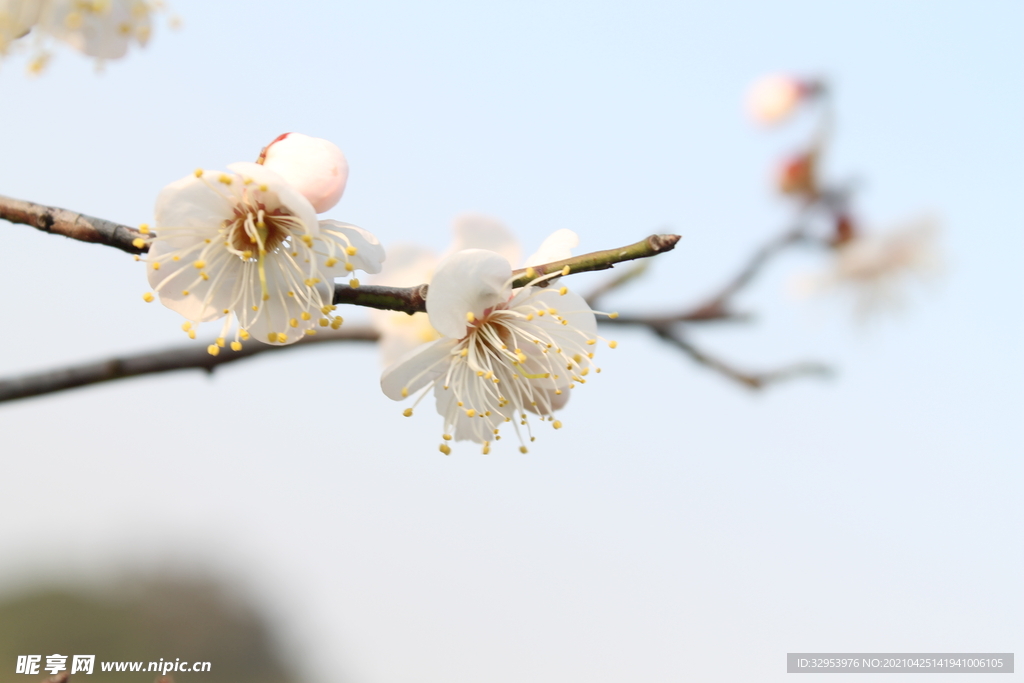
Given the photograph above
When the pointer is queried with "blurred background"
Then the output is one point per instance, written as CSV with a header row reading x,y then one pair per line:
x,y
679,527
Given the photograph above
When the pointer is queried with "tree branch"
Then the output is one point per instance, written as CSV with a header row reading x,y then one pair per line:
x,y
751,380
70,224
192,357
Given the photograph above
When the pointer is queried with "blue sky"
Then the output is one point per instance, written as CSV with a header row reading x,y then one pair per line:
x,y
678,527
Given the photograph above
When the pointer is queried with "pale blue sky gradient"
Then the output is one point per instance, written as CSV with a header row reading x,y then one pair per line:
x,y
678,527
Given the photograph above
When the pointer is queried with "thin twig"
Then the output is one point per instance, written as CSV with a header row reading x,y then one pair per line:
x,y
191,357
751,380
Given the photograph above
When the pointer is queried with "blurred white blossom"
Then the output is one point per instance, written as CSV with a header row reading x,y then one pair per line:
x,y
774,98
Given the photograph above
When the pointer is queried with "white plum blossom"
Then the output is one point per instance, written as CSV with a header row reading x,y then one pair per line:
x,y
502,353
99,28
246,246
104,29
774,98
874,268
410,265
17,17
313,166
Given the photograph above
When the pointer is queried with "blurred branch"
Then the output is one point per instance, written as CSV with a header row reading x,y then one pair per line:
x,y
752,380
192,357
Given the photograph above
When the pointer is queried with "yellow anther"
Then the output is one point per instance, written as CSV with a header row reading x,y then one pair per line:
x,y
556,424
407,412
487,414
186,326
200,264
405,392
305,315
349,267
236,346
255,308
470,413
612,344
225,178
563,291
470,317
566,270
558,392
199,173
220,342
446,437
564,321
529,316
310,331
175,258
591,342
307,240
184,292
479,373
156,265
204,275
138,243
147,297
272,337
464,352
613,316
213,349
144,229
351,251
446,449
486,449
243,334
324,322
552,311
459,403
590,355
331,262
353,283
266,297
191,334
540,313
293,322
247,254
522,449
531,273
336,323
597,370
584,372
264,188
577,357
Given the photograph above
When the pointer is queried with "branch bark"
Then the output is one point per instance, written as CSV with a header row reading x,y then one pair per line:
x,y
73,225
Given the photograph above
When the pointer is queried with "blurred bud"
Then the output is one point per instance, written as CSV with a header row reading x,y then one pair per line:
x,y
798,176
773,98
845,230
313,166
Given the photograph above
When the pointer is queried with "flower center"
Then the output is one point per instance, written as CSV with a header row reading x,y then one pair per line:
x,y
255,231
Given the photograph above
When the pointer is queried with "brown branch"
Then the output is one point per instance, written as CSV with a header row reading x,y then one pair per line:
x,y
70,224
751,380
191,357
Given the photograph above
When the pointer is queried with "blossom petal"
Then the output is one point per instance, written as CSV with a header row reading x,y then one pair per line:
x,y
469,281
207,299
557,247
479,231
194,203
369,255
416,369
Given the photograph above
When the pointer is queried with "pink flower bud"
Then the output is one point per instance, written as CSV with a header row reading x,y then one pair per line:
x,y
773,98
313,166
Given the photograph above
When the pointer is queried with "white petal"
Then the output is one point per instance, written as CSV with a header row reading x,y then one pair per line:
x,y
400,333
479,231
313,166
570,306
198,203
557,247
369,253
478,428
206,299
467,282
416,369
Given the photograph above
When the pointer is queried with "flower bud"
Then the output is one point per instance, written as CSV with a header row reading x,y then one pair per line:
x,y
313,166
798,176
774,98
